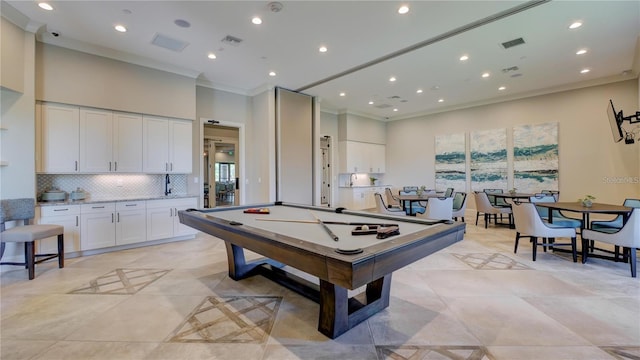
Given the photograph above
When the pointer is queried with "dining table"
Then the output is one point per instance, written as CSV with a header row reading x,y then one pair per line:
x,y
407,200
595,208
513,196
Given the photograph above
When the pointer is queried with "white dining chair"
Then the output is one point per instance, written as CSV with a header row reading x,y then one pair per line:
x,y
438,209
628,237
529,224
392,201
483,206
382,208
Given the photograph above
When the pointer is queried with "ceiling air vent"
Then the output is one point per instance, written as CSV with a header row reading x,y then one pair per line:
x,y
383,106
231,40
510,69
512,43
169,43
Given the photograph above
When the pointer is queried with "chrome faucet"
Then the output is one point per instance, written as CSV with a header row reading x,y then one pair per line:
x,y
167,188
351,179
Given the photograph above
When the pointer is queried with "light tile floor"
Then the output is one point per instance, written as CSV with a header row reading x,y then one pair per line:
x,y
473,300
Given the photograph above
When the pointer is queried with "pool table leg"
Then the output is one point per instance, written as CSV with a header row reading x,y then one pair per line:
x,y
239,268
339,313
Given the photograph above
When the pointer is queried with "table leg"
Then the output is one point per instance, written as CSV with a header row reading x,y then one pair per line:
x,y
239,268
339,313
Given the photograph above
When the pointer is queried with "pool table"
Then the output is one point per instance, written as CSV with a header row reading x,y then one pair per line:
x,y
328,244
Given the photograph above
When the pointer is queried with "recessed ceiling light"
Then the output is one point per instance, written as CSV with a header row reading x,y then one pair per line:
x,y
584,71
211,56
45,6
440,100
485,75
120,28
502,88
272,73
395,109
581,52
419,91
575,25
343,94
370,102
464,57
256,20
392,79
182,23
403,9
322,49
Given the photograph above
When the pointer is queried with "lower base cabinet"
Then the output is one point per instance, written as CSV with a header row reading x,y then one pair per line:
x,y
98,228
67,216
163,221
131,222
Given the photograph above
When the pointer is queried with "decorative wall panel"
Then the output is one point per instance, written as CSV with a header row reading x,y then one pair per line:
x,y
450,164
535,157
488,159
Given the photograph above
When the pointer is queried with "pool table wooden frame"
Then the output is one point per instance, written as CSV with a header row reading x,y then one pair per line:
x,y
336,272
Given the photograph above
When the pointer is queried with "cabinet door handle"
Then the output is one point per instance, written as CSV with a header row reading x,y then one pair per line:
x,y
115,166
60,209
171,169
111,217
76,220
76,165
170,212
131,205
97,207
166,166
109,165
118,220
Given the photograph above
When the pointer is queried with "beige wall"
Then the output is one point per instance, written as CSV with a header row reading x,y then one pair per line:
x,y
12,61
72,77
590,162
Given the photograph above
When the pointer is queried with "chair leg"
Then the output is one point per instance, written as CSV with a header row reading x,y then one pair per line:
x,y
534,240
574,250
515,249
544,242
1,250
61,251
487,218
632,260
477,216
585,250
463,219
30,259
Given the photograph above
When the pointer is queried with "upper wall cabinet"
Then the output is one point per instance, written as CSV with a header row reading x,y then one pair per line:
x,y
60,138
360,157
110,142
167,145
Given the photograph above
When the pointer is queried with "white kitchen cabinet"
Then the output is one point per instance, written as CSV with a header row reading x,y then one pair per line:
x,y
163,221
96,141
167,145
360,157
131,219
67,216
110,142
60,126
98,225
127,142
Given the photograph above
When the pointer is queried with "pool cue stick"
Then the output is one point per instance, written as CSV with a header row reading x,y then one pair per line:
x,y
326,228
328,222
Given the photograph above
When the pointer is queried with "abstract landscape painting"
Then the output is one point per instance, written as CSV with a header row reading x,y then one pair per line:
x,y
451,162
489,159
535,157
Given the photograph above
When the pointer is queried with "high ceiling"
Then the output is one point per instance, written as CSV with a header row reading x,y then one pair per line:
x,y
368,42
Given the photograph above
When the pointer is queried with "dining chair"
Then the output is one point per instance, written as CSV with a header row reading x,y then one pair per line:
x,y
392,201
448,192
615,224
438,209
554,193
483,206
415,207
529,224
459,205
628,237
382,208
23,211
557,217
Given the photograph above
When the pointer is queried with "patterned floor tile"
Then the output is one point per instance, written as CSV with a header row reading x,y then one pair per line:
x,y
493,261
414,352
121,281
623,352
238,319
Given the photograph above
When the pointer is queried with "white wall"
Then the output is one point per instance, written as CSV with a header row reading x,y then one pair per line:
x,y
72,77
588,157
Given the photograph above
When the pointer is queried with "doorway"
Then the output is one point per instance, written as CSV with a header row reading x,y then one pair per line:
x,y
221,165
325,190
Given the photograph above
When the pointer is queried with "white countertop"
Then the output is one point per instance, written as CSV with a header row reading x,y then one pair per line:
x,y
98,200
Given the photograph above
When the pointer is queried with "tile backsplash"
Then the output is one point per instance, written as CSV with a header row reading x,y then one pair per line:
x,y
113,186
